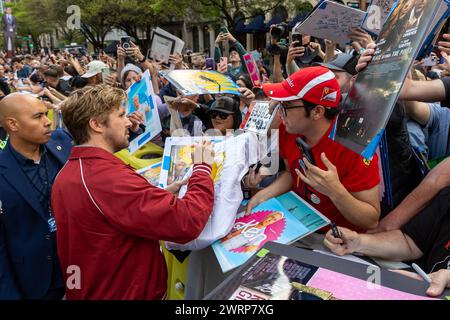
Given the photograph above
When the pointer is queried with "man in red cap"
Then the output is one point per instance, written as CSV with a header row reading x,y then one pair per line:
x,y
341,184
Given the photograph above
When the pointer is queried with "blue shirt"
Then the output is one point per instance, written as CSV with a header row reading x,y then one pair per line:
x,y
40,175
432,140
25,72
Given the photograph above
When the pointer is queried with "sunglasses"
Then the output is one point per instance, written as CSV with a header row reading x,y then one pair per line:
x,y
221,115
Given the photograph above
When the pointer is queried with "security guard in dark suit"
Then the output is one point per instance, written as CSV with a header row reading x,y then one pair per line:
x,y
29,265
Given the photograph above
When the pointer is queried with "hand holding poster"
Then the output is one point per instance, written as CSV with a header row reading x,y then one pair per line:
x,y
163,45
140,97
332,21
233,156
161,48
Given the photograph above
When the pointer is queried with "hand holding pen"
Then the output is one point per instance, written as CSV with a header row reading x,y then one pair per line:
x,y
335,230
342,241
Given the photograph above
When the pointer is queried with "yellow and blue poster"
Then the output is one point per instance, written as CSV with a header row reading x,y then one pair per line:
x,y
197,82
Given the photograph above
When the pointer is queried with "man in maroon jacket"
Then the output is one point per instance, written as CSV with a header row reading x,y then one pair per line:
x,y
110,219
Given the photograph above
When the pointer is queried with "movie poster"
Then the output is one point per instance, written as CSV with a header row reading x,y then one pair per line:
x,y
372,98
377,13
141,97
258,118
197,82
151,173
272,276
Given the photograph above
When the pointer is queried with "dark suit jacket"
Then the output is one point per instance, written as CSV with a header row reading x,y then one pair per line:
x,y
27,252
6,26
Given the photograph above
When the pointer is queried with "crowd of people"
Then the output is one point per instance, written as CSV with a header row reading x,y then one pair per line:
x,y
66,200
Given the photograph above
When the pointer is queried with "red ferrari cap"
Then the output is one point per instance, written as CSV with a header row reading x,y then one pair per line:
x,y
317,85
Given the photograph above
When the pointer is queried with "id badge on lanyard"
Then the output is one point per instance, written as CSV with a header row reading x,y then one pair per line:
x,y
52,224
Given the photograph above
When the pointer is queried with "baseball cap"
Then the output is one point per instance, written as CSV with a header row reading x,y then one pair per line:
x,y
341,62
226,105
317,85
93,68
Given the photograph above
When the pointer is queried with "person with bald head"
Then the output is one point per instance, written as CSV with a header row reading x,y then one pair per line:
x,y
29,163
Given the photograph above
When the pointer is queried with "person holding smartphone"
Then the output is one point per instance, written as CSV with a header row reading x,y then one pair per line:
x,y
303,52
341,185
235,67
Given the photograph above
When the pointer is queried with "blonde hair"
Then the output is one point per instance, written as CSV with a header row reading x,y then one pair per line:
x,y
90,102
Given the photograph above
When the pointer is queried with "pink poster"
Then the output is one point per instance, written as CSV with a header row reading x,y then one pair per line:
x,y
252,69
356,289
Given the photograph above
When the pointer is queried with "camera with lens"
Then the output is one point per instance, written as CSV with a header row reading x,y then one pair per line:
x,y
277,49
279,31
125,42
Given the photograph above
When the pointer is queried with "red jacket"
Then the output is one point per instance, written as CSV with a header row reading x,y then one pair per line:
x,y
110,220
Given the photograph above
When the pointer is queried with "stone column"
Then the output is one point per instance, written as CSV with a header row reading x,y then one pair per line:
x,y
249,46
212,40
187,37
201,41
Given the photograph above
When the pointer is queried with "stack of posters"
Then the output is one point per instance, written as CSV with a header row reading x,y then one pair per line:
x,y
276,277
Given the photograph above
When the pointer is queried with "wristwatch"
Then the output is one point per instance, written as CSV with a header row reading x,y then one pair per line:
x,y
143,60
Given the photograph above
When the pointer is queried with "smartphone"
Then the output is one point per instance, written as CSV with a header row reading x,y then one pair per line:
x,y
224,60
297,37
437,51
429,61
125,42
210,64
105,74
306,152
224,29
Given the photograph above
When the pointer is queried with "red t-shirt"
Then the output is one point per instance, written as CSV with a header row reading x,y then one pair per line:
x,y
353,172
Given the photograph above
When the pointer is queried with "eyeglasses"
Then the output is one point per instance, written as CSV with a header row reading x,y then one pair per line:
x,y
221,115
284,108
